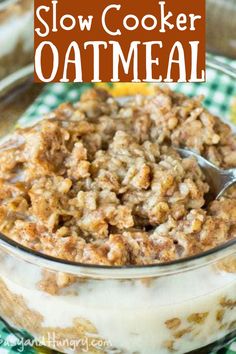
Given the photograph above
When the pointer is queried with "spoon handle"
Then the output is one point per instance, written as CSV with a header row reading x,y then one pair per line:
x,y
227,179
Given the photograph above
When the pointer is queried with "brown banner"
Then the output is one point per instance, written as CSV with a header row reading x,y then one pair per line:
x,y
125,40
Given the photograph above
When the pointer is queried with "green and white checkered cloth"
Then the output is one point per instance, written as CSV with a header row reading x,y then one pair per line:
x,y
13,341
219,91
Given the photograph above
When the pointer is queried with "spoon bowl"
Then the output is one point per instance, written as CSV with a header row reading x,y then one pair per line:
x,y
218,179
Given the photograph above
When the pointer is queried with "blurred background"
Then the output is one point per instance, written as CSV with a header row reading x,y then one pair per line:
x,y
221,27
16,32
16,35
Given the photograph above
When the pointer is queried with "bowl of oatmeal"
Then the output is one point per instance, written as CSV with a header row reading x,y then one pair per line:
x,y
108,244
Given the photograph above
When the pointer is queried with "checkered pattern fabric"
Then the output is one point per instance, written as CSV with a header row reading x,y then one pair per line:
x,y
219,92
12,341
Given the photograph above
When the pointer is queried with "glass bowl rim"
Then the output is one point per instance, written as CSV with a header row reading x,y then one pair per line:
x,y
115,272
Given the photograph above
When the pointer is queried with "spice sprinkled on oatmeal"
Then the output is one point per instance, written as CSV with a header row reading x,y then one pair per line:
x,y
101,183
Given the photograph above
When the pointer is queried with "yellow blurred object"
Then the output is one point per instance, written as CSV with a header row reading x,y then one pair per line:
x,y
128,89
233,111
44,350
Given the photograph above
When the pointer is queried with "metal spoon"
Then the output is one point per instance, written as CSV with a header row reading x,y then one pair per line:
x,y
219,180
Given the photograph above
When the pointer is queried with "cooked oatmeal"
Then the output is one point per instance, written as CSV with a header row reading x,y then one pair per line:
x,y
101,183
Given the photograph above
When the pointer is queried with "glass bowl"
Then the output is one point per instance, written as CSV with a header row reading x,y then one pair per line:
x,y
186,306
